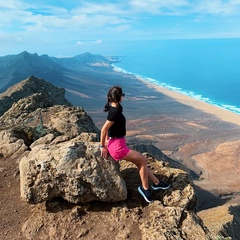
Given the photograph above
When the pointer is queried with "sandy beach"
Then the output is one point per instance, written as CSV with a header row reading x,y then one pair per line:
x,y
223,114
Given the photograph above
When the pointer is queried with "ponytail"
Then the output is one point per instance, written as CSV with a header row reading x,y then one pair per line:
x,y
106,107
114,95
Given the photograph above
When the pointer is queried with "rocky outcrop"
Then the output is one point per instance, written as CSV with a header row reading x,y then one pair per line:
x,y
224,222
72,170
42,126
47,95
170,216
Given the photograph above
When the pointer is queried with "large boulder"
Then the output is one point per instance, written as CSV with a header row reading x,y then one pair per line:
x,y
71,170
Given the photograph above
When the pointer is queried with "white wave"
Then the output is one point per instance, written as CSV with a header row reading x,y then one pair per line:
x,y
232,108
191,94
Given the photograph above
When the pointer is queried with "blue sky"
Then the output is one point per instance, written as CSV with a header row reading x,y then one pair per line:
x,y
71,27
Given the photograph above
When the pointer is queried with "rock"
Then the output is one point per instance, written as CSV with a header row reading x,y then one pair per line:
x,y
182,193
224,222
184,224
36,91
58,122
71,170
10,144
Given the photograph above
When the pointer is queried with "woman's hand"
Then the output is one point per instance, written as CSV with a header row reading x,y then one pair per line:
x,y
104,152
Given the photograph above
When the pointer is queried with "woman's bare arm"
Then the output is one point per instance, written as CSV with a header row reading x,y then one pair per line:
x,y
104,137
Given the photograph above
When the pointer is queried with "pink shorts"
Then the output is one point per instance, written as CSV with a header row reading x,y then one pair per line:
x,y
117,148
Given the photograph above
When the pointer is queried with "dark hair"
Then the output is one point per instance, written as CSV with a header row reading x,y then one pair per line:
x,y
114,95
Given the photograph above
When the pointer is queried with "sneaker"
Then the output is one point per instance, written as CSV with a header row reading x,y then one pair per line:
x,y
161,185
145,193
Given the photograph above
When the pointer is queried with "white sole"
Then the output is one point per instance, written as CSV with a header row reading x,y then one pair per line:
x,y
142,193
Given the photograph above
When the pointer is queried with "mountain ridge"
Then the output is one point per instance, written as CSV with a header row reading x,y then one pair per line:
x,y
80,75
58,71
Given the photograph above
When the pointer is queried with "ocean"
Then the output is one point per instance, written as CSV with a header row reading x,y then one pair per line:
x,y
204,69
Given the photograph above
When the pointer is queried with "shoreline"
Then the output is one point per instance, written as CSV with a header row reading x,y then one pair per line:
x,y
223,114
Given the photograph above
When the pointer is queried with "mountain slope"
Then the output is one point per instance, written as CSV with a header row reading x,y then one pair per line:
x,y
15,68
84,62
59,71
80,75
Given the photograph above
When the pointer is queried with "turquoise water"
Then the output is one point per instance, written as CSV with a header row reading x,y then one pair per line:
x,y
208,70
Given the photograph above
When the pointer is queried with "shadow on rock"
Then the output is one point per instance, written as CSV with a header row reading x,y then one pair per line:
x,y
207,199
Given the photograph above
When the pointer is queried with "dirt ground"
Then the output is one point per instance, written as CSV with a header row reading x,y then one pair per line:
x,y
14,211
65,220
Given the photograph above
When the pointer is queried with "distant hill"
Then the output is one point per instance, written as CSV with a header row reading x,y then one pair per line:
x,y
80,75
46,95
85,62
15,68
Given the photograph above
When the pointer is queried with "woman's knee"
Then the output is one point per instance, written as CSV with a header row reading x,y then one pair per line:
x,y
137,157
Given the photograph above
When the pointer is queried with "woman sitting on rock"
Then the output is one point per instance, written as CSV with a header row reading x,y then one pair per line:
x,y
113,133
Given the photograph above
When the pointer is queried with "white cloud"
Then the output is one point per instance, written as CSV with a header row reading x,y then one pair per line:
x,y
43,23
158,7
32,18
11,4
218,7
184,7
6,38
100,8
99,41
16,14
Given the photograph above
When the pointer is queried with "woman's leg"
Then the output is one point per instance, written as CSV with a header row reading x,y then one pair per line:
x,y
144,172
